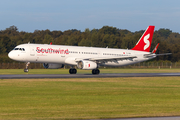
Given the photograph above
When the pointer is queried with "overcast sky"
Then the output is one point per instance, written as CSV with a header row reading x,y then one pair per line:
x,y
133,15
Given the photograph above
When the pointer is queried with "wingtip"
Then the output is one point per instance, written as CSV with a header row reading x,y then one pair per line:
x,y
155,49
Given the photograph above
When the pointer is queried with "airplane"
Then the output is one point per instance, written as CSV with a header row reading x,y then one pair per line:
x,y
87,58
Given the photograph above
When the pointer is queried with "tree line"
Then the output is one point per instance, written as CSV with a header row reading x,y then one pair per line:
x,y
103,37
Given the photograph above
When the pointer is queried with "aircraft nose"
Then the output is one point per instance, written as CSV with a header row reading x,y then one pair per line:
x,y
11,55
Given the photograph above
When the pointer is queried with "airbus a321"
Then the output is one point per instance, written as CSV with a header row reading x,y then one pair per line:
x,y
87,58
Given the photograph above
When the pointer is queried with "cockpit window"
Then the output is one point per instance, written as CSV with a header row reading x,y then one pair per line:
x,y
21,49
16,48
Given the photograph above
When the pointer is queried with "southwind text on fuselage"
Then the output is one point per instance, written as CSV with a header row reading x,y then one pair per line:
x,y
52,51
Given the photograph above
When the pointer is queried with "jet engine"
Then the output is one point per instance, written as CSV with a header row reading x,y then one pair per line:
x,y
52,66
86,65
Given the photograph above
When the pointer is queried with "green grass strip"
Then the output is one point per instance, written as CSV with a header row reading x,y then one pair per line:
x,y
89,98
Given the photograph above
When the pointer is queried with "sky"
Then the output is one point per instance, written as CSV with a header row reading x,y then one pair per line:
x,y
133,15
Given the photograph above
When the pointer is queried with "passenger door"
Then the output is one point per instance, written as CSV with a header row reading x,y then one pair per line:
x,y
32,50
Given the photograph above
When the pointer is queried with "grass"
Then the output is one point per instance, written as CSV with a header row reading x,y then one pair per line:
x,y
89,98
66,71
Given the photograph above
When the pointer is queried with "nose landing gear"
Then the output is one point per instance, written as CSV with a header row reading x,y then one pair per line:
x,y
26,69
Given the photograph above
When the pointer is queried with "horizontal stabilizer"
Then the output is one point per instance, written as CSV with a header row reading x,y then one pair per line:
x,y
163,54
155,55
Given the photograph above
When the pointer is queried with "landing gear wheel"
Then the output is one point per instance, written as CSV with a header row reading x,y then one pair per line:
x,y
26,70
72,71
95,71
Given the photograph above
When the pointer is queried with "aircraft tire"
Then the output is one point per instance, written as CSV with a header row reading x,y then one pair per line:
x,y
72,71
95,71
26,70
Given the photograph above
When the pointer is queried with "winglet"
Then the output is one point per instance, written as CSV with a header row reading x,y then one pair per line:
x,y
155,49
144,43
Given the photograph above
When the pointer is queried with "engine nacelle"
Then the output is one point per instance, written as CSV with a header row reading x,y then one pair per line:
x,y
52,66
86,65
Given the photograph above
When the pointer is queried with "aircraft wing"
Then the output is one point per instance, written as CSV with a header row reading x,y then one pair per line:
x,y
104,59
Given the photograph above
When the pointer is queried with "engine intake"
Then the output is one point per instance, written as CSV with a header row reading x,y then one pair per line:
x,y
86,65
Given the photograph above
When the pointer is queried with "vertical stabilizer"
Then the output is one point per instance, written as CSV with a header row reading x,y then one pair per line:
x,y
144,43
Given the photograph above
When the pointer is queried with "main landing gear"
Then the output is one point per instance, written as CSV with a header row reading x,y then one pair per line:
x,y
95,71
26,69
72,71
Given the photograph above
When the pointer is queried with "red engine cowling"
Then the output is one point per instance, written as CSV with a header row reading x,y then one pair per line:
x,y
86,65
52,66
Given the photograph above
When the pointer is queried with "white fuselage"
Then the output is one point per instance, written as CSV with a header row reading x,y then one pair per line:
x,y
61,54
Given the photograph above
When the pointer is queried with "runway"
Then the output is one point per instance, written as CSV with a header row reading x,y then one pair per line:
x,y
103,75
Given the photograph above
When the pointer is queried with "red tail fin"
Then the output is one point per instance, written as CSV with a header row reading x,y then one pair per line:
x,y
144,43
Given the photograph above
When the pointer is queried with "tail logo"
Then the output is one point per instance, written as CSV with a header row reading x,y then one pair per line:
x,y
146,41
